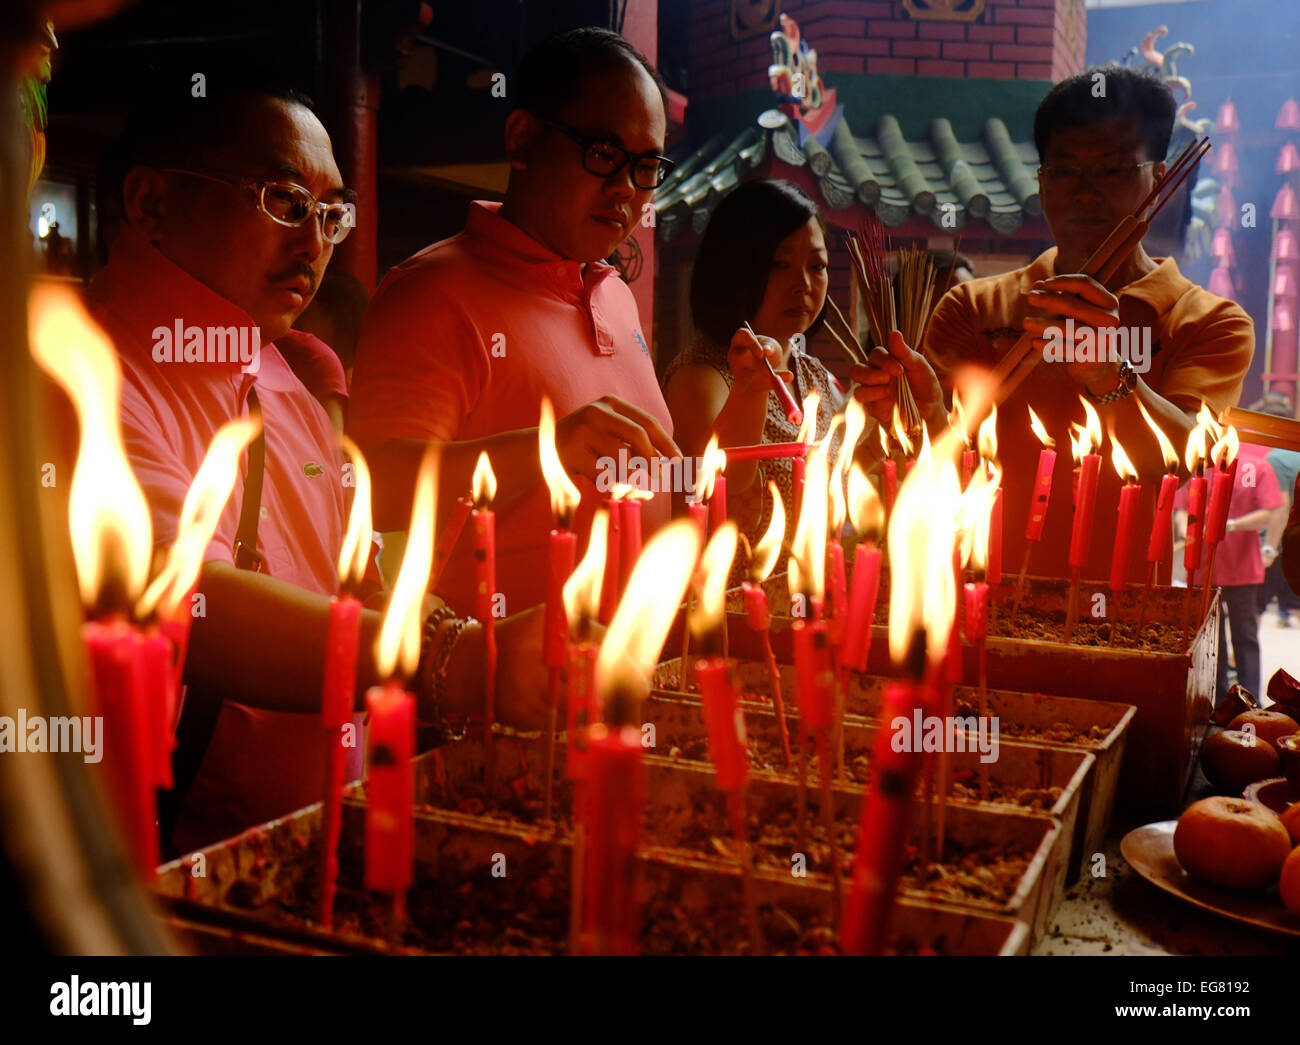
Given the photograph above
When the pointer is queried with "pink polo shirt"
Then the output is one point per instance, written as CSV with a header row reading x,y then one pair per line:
x,y
462,340
260,763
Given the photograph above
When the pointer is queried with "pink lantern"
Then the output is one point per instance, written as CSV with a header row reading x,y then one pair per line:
x,y
1225,159
1284,282
1288,159
1284,246
1227,206
1221,282
1288,117
1221,245
1284,206
1227,118
1283,320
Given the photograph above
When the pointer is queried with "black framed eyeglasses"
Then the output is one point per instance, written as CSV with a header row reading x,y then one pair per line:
x,y
605,159
1111,176
287,203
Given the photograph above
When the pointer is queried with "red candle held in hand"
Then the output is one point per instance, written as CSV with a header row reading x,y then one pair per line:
x,y
128,757
862,607
765,451
390,788
724,723
615,806
1161,533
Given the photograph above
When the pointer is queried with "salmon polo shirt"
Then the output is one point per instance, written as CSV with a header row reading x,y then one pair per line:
x,y
260,764
461,342
1200,346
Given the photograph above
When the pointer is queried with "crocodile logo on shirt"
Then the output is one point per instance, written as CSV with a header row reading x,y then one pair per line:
x,y
312,469
640,341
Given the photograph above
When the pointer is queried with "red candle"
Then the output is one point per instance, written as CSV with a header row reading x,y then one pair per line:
x,y
128,758
797,469
1161,533
862,607
837,584
1216,517
756,608
342,638
1195,512
883,829
718,503
1128,505
968,459
890,471
609,588
1041,495
765,451
449,537
390,788
485,586
158,684
562,547
630,544
699,512
583,706
977,611
724,723
812,675
993,571
615,806
1084,506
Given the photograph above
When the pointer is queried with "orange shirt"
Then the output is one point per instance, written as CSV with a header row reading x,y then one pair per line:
x,y
461,342
1201,348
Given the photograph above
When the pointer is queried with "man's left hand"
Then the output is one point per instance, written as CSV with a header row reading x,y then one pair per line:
x,y
1081,298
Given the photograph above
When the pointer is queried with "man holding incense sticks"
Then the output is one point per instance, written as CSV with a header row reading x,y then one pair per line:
x,y
233,204
1101,136
464,340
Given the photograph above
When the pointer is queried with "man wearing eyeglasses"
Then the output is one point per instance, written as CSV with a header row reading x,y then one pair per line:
x,y
463,340
232,206
1101,136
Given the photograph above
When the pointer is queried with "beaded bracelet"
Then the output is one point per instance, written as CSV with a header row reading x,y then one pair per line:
x,y
435,654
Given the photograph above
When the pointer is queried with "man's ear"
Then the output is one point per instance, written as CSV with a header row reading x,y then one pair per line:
x,y
144,200
521,129
1159,170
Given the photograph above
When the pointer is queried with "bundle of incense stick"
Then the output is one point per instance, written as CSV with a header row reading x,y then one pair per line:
x,y
1263,429
1016,365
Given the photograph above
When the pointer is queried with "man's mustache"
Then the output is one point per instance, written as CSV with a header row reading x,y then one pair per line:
x,y
296,269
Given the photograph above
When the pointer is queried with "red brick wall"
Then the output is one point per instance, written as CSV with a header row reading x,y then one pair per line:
x,y
1013,39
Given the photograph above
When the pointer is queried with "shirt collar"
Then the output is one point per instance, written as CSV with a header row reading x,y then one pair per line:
x,y
486,225
1159,288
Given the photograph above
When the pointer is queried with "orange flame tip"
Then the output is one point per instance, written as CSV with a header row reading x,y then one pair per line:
x,y
565,496
1167,450
988,436
807,570
581,592
1120,459
711,579
397,649
484,486
769,546
1040,431
922,536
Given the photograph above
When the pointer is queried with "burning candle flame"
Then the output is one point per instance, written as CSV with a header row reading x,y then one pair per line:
x,y
855,423
1040,431
713,462
975,516
711,579
1123,466
1167,450
484,486
636,635
564,494
884,439
397,649
988,436
200,514
581,592
865,510
1195,453
900,433
808,427
357,541
1090,439
628,492
957,419
1211,423
1225,449
835,482
807,569
112,533
922,535
769,545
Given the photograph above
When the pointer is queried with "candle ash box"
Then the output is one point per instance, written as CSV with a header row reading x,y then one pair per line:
x,y
1170,680
260,889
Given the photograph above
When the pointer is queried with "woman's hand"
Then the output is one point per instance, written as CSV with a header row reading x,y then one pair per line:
x,y
875,389
745,357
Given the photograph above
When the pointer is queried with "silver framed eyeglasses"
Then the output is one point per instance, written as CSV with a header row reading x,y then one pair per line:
x,y
1112,176
289,204
605,159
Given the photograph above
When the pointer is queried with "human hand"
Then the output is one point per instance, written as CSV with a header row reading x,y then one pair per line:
x,y
1092,308
604,427
745,357
522,694
1269,554
875,389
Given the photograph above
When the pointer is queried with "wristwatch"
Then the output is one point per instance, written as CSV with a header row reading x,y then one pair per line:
x,y
1126,387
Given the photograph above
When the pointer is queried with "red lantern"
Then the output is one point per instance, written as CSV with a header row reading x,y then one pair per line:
x,y
1288,159
1283,320
1288,118
1225,159
1221,246
1227,209
1284,206
1221,283
1227,118
1284,246
1284,282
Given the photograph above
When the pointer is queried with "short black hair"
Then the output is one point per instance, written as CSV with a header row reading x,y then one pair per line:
x,y
171,127
1076,102
735,256
551,73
